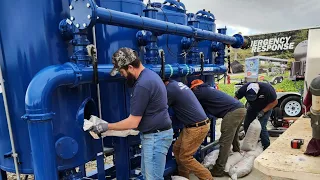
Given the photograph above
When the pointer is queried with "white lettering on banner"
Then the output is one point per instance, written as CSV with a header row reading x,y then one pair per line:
x,y
272,44
182,86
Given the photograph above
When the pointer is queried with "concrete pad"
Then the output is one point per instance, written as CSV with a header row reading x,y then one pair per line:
x,y
282,161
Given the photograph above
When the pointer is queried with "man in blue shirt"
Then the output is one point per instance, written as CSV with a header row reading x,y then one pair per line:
x,y
221,105
148,112
188,110
262,98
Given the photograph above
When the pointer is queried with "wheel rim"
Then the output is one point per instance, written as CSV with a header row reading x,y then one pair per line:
x,y
292,108
275,81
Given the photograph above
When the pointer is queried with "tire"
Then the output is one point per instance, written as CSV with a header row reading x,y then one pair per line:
x,y
280,79
275,81
291,106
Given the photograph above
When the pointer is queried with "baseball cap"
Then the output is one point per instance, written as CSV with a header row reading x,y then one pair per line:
x,y
122,57
252,91
195,83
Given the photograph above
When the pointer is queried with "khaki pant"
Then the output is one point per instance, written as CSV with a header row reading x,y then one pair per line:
x,y
185,147
230,126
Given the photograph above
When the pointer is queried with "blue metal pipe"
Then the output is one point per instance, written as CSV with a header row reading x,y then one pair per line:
x,y
38,96
39,116
86,14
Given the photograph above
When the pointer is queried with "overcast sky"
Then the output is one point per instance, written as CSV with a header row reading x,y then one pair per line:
x,y
259,16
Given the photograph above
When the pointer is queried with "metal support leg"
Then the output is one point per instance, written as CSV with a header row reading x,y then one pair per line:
x,y
100,163
122,158
83,170
213,130
3,175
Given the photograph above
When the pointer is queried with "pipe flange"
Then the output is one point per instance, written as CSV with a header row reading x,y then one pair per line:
x,y
38,117
66,148
77,73
239,42
83,13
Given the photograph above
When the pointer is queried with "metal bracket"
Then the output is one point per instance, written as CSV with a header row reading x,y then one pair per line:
x,y
92,52
202,62
162,57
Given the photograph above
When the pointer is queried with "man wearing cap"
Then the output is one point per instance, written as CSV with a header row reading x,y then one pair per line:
x,y
262,98
232,111
148,112
188,110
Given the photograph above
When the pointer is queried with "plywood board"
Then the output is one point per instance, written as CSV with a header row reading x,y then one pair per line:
x,y
280,160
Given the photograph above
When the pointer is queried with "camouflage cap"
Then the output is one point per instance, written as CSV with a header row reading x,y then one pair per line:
x,y
121,58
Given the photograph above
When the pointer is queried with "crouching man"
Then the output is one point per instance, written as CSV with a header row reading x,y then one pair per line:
x,y
262,98
148,112
188,110
221,105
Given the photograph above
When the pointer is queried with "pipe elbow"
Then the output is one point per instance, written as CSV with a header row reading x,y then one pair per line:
x,y
41,87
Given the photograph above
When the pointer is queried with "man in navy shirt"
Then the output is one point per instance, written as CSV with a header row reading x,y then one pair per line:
x,y
221,105
262,98
148,112
188,110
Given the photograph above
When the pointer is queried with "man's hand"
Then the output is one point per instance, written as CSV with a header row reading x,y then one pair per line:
x,y
260,115
100,128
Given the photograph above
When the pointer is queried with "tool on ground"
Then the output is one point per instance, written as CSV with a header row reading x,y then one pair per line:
x,y
297,143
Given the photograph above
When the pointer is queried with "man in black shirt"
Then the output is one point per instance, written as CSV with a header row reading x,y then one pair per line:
x,y
262,98
232,111
188,110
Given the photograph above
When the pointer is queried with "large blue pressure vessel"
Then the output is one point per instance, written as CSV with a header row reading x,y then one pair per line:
x,y
30,41
175,12
206,22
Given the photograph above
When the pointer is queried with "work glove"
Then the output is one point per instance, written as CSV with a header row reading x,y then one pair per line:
x,y
260,115
100,128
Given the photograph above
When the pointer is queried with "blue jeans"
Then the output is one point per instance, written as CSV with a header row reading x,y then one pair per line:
x,y
264,136
155,147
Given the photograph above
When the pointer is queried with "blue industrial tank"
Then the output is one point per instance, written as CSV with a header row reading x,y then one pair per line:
x,y
206,22
175,12
30,41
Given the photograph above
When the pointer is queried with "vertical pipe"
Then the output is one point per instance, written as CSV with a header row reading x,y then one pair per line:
x,y
100,164
46,162
14,153
3,175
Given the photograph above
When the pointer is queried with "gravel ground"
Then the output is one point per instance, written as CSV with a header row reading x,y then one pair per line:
x,y
90,166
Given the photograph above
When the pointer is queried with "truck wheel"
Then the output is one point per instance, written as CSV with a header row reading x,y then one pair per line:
x,y
291,106
275,81
280,79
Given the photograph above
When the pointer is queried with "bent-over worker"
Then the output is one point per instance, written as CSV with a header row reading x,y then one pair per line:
x,y
148,112
262,98
188,110
232,111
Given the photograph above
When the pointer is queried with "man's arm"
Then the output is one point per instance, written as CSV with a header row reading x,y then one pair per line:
x,y
241,92
270,106
131,122
273,101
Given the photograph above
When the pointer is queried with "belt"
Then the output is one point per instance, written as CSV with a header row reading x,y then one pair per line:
x,y
158,130
198,124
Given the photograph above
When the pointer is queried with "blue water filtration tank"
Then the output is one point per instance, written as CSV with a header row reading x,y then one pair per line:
x,y
175,12
30,41
206,22
115,97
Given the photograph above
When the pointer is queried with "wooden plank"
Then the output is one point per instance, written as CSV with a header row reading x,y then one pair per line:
x,y
280,160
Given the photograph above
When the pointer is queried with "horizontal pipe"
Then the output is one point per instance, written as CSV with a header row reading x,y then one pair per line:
x,y
86,14
112,17
39,93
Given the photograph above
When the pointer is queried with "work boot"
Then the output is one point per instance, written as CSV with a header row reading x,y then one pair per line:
x,y
217,172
